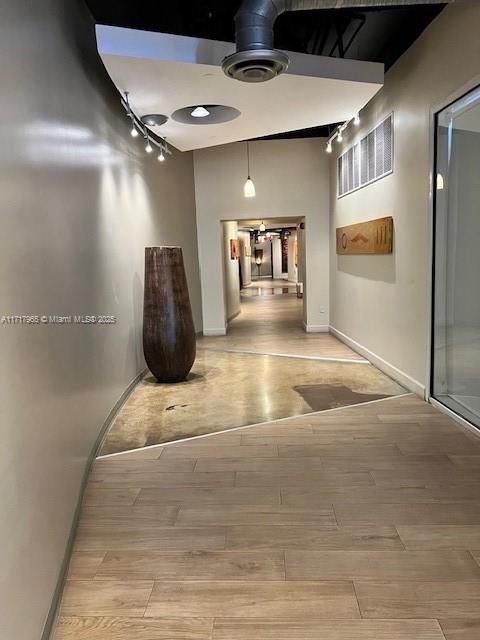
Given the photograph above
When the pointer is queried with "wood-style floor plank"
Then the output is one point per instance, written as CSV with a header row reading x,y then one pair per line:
x,y
302,479
270,537
97,537
466,461
314,629
322,517
192,565
136,515
112,598
329,600
84,564
292,495
419,599
381,565
124,628
262,465
397,514
356,449
199,496
95,496
219,451
440,536
126,464
461,629
154,479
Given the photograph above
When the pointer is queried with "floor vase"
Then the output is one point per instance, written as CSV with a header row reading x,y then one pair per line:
x,y
168,329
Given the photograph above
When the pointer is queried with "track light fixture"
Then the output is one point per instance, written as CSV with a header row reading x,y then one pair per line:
x,y
148,146
338,133
138,127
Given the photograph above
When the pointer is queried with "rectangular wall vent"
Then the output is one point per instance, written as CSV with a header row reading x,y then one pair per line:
x,y
368,160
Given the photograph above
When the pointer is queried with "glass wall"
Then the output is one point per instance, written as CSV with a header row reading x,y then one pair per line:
x,y
456,304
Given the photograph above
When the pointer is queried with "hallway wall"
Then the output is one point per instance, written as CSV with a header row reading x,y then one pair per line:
x,y
291,179
231,277
382,302
246,261
79,202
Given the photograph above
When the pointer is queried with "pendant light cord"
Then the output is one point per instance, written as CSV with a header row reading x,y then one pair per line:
x,y
248,160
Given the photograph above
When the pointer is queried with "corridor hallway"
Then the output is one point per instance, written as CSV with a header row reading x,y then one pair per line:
x,y
361,523
271,321
264,369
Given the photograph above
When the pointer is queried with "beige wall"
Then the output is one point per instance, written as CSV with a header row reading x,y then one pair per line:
x,y
79,201
291,179
382,302
231,279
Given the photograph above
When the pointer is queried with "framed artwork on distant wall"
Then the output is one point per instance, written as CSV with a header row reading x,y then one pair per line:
x,y
234,249
248,251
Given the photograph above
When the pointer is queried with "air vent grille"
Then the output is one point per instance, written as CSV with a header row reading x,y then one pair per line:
x,y
368,160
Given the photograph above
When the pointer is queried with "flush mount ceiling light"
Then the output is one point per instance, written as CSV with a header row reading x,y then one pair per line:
x,y
205,114
200,112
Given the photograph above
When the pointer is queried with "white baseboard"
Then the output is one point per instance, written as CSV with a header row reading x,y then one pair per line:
x,y
316,328
222,331
397,374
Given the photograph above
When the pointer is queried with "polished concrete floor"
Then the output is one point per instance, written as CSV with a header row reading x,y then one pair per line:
x,y
235,381
228,390
355,524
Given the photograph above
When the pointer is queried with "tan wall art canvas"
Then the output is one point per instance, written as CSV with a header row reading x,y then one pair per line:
x,y
234,249
371,237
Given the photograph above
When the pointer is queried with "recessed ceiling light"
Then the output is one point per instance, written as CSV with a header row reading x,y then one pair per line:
x,y
200,112
197,114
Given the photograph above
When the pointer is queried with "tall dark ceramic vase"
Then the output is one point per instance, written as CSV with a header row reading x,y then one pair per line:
x,y
168,329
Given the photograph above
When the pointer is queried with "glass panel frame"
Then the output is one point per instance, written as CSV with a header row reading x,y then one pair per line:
x,y
455,328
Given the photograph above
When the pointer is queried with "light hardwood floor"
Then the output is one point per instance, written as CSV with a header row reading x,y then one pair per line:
x,y
356,524
274,324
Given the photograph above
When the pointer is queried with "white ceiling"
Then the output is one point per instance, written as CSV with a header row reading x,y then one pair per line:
x,y
164,73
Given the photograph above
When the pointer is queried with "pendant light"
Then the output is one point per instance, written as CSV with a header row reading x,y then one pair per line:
x,y
248,187
262,227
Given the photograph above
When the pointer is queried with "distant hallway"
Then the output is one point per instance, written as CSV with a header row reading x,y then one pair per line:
x,y
271,321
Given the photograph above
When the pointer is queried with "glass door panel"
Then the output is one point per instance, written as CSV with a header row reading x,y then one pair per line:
x,y
456,304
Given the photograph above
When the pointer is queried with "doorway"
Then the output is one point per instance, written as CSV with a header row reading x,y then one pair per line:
x,y
455,379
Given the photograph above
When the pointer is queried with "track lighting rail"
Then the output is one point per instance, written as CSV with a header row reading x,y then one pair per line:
x,y
138,128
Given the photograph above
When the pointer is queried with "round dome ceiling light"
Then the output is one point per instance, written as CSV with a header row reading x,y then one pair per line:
x,y
200,112
154,119
215,114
